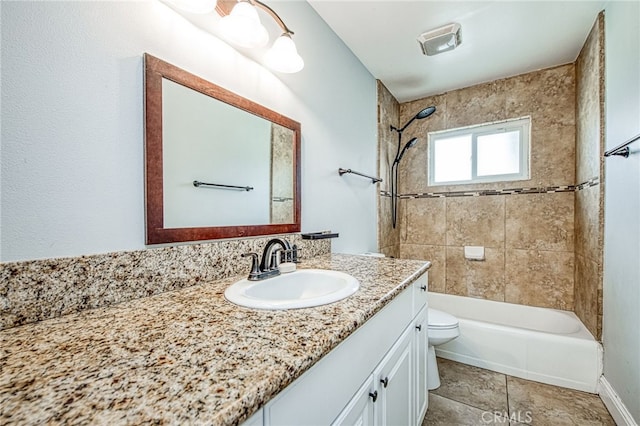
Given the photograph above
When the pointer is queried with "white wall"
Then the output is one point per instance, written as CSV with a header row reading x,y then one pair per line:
x,y
621,334
72,121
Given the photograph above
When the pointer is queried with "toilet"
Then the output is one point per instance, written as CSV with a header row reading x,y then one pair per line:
x,y
443,328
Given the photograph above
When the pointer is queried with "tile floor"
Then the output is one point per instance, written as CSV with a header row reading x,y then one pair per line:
x,y
473,396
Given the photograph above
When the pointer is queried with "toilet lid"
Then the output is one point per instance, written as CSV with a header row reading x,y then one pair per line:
x,y
441,320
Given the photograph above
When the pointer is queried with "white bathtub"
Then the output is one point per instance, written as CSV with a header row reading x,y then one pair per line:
x,y
545,345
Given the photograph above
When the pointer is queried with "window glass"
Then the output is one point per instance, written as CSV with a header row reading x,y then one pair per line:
x,y
499,154
454,159
484,153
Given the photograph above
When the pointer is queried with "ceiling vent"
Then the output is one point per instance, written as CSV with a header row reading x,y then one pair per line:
x,y
440,40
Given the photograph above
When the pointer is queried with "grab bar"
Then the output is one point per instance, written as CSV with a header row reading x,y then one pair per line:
x,y
342,171
198,184
622,149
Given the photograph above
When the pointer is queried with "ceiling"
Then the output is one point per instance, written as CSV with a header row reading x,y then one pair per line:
x,y
499,39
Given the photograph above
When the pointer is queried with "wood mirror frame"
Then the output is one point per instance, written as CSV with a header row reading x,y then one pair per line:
x,y
156,233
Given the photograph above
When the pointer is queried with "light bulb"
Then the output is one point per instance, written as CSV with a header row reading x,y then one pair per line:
x,y
243,27
283,56
194,6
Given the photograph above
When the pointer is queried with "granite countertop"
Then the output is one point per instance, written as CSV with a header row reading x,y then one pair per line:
x,y
186,356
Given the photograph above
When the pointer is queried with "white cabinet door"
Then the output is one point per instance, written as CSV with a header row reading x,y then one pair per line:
x,y
420,347
420,288
255,420
393,370
359,411
321,393
395,383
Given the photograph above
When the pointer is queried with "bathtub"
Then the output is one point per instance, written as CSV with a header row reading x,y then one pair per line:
x,y
545,345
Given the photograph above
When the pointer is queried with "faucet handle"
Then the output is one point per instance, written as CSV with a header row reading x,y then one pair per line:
x,y
255,267
275,258
294,254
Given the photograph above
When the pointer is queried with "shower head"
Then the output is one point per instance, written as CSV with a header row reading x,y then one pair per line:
x,y
420,115
426,112
408,145
411,143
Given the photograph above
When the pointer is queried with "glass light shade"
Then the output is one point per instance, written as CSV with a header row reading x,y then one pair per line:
x,y
243,27
283,56
194,6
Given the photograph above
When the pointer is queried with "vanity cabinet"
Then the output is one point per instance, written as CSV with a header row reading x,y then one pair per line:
x,y
420,349
395,384
377,376
361,409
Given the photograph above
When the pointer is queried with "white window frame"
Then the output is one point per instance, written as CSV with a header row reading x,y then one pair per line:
x,y
523,124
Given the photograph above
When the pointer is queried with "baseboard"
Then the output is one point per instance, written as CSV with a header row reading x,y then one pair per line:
x,y
614,404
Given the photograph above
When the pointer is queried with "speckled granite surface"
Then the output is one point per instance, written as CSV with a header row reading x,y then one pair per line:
x,y
35,290
182,357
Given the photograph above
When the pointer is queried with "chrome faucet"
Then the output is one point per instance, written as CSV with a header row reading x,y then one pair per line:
x,y
271,256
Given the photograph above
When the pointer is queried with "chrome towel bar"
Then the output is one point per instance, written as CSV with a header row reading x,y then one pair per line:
x,y
342,171
198,184
622,149
281,199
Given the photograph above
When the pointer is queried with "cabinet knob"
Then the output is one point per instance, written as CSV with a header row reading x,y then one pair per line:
x,y
373,395
385,381
419,327
423,287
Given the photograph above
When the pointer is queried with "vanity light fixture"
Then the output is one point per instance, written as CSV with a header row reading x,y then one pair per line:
x,y
440,40
240,24
283,56
243,27
194,6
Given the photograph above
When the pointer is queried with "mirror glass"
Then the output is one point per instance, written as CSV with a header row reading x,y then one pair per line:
x,y
218,165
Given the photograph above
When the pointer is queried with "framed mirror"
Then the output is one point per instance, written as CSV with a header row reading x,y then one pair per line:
x,y
217,165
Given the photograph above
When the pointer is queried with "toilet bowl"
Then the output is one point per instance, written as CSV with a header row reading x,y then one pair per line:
x,y
443,327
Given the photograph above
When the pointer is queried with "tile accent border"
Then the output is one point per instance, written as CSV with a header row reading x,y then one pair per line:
x,y
510,191
594,181
36,290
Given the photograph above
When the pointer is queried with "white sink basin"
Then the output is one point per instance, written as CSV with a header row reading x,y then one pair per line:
x,y
303,288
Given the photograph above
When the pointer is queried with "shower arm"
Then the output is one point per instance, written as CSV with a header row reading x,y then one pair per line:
x,y
424,113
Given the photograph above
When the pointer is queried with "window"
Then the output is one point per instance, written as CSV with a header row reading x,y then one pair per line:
x,y
485,153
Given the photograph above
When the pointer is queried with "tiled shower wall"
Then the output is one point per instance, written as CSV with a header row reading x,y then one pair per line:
x,y
543,237
527,227
388,114
589,209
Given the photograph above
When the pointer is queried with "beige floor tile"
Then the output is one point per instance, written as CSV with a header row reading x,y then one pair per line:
x,y
447,412
483,389
552,405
